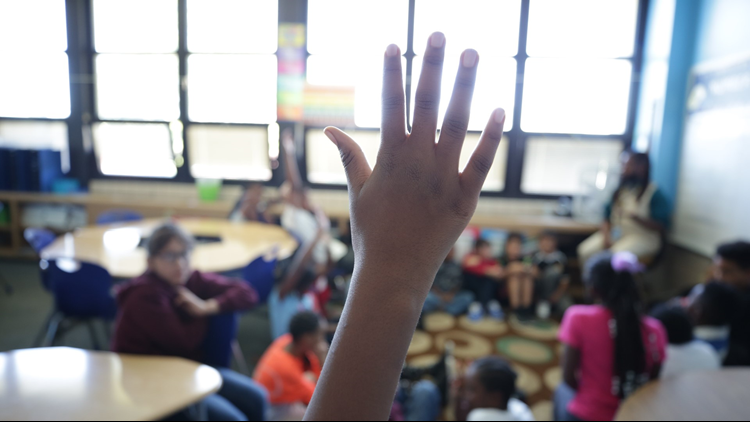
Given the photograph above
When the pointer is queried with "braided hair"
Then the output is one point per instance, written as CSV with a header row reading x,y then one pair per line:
x,y
615,285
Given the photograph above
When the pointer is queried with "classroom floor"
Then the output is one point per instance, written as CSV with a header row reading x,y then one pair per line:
x,y
23,314
532,348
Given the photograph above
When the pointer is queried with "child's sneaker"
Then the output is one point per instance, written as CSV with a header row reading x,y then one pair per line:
x,y
476,313
495,310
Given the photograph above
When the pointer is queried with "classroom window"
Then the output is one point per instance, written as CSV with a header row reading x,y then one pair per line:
x,y
324,161
34,75
229,152
135,149
565,166
344,70
233,68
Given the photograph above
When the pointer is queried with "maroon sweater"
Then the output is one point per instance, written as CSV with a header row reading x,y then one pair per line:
x,y
149,323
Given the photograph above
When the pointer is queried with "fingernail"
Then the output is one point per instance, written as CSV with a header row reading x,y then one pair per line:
x,y
499,116
437,40
330,136
470,58
392,50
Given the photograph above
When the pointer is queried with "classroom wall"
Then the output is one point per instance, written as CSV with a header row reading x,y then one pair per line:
x,y
701,30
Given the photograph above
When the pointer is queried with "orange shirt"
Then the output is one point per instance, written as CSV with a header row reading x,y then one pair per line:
x,y
283,375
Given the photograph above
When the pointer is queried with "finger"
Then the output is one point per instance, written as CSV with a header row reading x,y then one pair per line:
x,y
355,164
479,165
393,119
456,120
427,98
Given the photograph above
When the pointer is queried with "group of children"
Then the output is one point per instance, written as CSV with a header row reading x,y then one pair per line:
x,y
529,284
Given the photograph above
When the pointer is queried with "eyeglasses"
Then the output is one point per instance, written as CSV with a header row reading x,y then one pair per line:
x,y
173,257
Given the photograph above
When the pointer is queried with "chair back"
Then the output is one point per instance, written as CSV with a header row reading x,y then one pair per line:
x,y
260,274
118,216
217,348
38,238
81,290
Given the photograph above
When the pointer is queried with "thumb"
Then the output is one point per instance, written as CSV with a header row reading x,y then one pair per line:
x,y
355,163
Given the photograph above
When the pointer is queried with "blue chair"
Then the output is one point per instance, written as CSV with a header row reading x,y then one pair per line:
x,y
260,274
83,294
219,343
39,239
118,216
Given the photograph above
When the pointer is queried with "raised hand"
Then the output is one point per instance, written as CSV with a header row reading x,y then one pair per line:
x,y
406,214
415,203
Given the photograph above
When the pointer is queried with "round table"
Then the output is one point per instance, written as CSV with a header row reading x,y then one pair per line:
x,y
223,245
699,396
72,384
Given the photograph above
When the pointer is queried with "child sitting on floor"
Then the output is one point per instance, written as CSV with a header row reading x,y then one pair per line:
x,y
684,354
487,391
447,292
549,269
482,272
518,273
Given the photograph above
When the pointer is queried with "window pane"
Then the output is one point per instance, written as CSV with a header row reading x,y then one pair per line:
x,y
135,26
364,74
138,87
33,25
324,161
558,166
489,26
34,85
496,177
576,96
346,26
134,149
229,152
232,89
323,158
589,28
495,87
233,26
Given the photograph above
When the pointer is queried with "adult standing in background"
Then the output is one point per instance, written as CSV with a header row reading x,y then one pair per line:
x,y
637,218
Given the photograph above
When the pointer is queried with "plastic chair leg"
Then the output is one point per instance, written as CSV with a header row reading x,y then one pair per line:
x,y
52,329
94,338
239,358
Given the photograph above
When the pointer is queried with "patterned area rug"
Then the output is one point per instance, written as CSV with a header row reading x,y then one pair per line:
x,y
532,348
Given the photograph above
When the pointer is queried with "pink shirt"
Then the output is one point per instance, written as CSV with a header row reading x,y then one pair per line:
x,y
586,328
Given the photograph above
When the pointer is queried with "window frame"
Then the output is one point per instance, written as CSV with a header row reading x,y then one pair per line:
x,y
518,138
81,56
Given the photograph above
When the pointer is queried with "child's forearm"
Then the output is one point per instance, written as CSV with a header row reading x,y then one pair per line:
x,y
374,335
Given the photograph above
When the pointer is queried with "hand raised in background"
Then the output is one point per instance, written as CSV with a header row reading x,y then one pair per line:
x,y
415,203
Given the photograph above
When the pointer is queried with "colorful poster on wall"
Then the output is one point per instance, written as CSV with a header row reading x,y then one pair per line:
x,y
291,79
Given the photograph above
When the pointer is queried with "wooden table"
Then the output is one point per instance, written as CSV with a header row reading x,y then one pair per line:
x,y
700,396
116,247
72,384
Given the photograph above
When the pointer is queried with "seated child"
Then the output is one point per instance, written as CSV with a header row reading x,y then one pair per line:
x,y
518,274
684,353
447,292
549,269
487,391
482,272
712,310
165,312
291,366
252,206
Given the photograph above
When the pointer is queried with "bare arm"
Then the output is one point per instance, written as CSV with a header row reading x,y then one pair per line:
x,y
293,174
571,364
406,215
